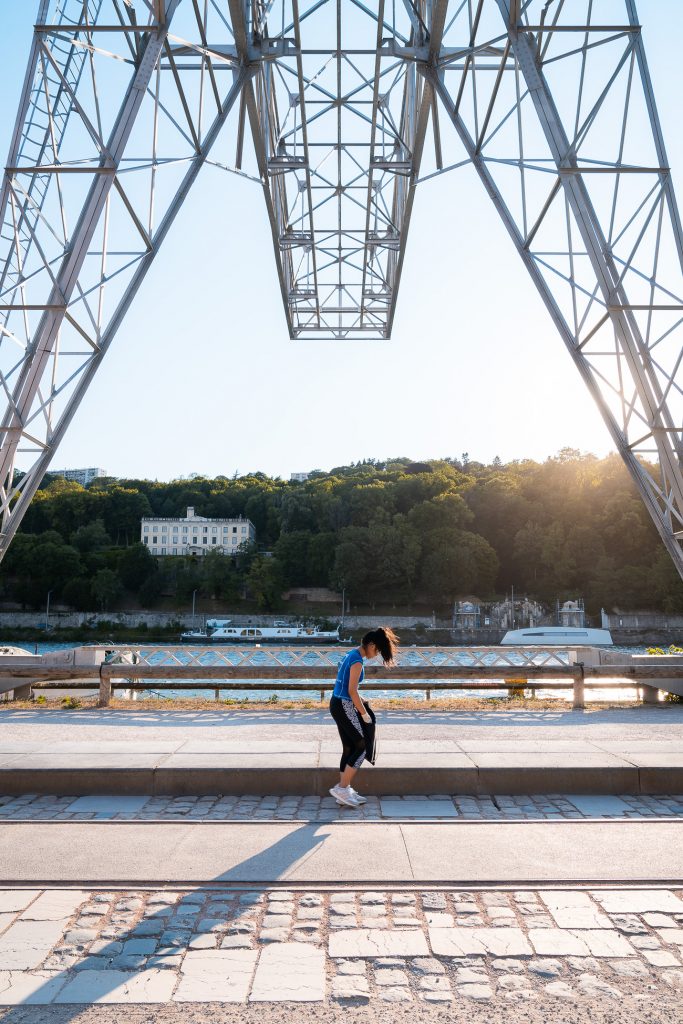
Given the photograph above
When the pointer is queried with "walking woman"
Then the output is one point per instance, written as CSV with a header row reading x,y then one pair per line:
x,y
347,708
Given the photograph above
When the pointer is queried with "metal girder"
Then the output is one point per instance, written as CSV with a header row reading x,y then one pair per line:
x,y
338,131
84,218
565,138
349,105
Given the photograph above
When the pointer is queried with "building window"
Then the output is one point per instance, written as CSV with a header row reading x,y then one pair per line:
x,y
234,540
206,529
244,529
234,529
175,529
154,540
146,529
185,529
195,529
213,540
164,529
205,540
163,551
225,529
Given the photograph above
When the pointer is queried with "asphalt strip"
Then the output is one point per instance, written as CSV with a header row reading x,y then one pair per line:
x,y
416,852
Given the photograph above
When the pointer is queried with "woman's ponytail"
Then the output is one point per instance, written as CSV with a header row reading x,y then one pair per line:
x,y
385,640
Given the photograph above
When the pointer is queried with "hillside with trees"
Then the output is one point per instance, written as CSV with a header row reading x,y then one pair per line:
x,y
395,533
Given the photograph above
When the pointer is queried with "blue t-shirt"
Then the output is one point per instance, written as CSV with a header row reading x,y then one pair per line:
x,y
341,687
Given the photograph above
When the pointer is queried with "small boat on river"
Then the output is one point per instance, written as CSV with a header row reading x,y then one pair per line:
x,y
558,636
221,631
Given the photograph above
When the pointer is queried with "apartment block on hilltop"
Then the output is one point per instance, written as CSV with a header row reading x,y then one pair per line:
x,y
81,476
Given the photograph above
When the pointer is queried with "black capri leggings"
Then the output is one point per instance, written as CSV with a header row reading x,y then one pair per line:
x,y
350,732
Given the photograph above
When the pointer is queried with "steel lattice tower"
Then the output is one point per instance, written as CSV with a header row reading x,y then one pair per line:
x,y
338,109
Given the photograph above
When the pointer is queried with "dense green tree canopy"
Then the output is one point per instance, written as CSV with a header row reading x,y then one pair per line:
x,y
397,531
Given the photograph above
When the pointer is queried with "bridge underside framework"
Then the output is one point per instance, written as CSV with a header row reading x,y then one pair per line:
x,y
338,110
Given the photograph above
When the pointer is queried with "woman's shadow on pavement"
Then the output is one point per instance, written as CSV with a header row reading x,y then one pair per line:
x,y
107,969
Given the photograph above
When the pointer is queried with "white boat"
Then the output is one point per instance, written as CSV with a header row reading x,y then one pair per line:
x,y
558,636
278,633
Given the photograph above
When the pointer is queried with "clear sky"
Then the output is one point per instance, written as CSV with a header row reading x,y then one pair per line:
x,y
203,378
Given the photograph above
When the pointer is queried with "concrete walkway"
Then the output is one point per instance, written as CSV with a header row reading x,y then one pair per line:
x,y
304,919
563,951
451,853
289,765
140,750
660,722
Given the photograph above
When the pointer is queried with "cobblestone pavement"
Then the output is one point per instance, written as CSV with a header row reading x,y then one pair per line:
x,y
34,807
220,945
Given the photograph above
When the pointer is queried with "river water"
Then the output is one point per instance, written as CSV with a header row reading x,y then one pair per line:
x,y
459,657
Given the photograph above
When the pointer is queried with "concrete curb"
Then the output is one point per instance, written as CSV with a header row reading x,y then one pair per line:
x,y
285,779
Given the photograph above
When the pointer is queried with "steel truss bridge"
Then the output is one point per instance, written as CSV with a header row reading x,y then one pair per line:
x,y
337,110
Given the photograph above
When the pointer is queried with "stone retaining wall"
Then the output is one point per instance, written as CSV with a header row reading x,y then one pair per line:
x,y
485,636
73,620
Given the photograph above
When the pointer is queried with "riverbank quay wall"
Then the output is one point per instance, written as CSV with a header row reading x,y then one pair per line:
x,y
164,620
661,631
633,628
640,620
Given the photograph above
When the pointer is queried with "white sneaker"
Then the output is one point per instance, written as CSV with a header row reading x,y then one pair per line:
x,y
357,797
344,795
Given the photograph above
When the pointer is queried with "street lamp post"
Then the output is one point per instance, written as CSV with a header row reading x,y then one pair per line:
x,y
47,611
194,594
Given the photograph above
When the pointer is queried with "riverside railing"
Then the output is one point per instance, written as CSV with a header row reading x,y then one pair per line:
x,y
307,670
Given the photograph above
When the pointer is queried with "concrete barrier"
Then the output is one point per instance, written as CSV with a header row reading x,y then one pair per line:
x,y
673,663
311,768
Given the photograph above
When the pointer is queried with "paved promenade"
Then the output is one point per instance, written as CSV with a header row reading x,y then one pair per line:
x,y
552,950
349,853
663,722
262,909
623,751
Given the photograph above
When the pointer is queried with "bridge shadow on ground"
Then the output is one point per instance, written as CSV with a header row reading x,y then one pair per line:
x,y
159,938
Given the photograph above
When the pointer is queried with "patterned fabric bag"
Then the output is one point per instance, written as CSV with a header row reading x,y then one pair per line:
x,y
370,734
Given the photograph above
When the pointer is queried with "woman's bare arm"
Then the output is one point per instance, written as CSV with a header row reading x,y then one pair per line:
x,y
354,677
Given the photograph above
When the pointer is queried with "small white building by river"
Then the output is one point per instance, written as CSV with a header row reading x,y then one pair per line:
x,y
195,535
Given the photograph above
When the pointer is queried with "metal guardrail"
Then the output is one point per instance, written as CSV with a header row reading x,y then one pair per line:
x,y
262,656
431,669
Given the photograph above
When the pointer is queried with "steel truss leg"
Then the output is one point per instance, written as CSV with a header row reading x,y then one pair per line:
x,y
49,269
634,383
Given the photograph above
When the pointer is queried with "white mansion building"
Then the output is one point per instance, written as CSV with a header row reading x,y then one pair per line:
x,y
195,535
